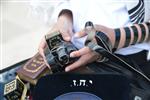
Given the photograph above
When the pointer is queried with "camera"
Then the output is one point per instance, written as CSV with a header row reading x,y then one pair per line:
x,y
58,52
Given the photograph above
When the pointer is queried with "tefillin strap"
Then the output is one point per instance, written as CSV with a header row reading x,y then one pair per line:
x,y
148,25
117,39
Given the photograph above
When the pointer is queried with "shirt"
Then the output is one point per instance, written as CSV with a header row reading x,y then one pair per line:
x,y
110,13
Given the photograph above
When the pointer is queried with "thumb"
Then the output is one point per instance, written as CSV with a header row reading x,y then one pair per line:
x,y
66,35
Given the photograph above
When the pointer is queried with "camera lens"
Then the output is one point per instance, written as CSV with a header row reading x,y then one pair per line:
x,y
62,55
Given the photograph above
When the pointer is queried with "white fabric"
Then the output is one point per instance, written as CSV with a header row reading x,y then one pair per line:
x,y
138,47
110,13
132,3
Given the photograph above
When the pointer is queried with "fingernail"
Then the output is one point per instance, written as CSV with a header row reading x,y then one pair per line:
x,y
67,69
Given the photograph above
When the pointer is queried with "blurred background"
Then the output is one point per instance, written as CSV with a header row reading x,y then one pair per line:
x,y
23,24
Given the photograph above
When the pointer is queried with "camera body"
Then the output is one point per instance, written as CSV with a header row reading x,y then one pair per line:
x,y
58,52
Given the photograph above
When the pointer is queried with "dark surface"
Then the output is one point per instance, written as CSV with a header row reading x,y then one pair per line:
x,y
8,74
105,86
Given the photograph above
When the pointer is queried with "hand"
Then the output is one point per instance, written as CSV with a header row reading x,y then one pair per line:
x,y
64,26
86,56
41,48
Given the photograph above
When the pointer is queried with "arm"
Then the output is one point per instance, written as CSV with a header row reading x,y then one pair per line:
x,y
126,36
120,37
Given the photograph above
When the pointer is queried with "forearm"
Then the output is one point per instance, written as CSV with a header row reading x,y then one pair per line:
x,y
131,35
126,36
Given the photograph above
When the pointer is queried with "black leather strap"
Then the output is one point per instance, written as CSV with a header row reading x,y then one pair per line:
x,y
103,41
89,23
103,38
115,58
148,25
135,31
128,36
143,31
117,37
106,53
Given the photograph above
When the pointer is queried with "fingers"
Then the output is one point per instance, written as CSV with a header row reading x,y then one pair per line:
x,y
42,46
86,56
83,60
80,34
66,36
66,33
65,30
78,63
47,63
80,52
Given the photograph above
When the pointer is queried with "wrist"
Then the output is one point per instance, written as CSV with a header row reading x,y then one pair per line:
x,y
103,41
101,37
109,32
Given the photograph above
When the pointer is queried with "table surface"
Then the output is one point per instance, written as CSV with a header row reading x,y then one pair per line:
x,y
21,32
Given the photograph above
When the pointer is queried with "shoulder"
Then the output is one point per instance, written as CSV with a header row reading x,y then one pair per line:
x,y
139,10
